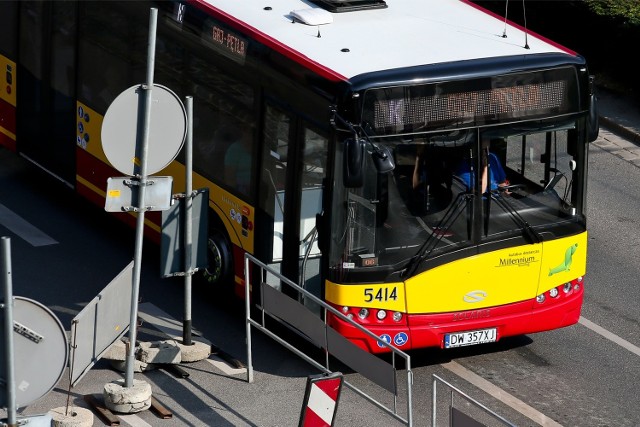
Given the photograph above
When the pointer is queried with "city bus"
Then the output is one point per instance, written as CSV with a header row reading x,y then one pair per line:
x,y
419,165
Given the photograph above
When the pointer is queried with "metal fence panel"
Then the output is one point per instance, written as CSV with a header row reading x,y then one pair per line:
x,y
101,323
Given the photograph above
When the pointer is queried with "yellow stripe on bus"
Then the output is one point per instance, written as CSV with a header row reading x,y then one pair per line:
x,y
9,134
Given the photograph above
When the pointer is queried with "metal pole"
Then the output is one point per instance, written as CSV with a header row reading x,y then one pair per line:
x,y
141,195
186,326
409,392
433,402
247,315
8,332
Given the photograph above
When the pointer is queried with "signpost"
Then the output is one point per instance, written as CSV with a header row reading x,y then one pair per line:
x,y
128,133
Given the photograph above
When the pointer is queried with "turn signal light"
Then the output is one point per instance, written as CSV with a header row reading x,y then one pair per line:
x,y
567,289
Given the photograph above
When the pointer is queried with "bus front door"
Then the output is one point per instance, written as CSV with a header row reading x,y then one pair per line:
x,y
294,165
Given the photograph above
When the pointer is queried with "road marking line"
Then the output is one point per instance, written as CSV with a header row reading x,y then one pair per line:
x,y
134,420
609,335
500,394
173,328
165,323
24,229
224,366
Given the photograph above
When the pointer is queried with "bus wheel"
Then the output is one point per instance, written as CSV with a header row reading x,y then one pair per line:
x,y
219,270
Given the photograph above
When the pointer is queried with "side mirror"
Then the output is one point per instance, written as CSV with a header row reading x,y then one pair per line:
x,y
353,165
383,159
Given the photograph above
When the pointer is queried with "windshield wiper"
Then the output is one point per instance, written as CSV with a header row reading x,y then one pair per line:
x,y
457,207
533,235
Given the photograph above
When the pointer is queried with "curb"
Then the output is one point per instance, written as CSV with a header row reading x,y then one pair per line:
x,y
620,130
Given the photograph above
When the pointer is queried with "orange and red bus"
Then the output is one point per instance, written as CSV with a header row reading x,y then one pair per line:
x,y
420,165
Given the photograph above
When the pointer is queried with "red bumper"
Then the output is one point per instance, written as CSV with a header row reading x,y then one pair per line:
x,y
428,330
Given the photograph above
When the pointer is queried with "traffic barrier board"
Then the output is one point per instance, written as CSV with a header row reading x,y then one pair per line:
x,y
320,403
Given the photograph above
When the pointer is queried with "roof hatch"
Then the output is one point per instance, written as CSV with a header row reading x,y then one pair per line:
x,y
349,5
312,16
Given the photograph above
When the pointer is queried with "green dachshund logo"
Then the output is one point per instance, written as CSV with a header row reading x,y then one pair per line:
x,y
566,264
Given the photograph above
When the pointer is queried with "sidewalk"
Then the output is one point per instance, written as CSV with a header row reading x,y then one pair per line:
x,y
619,115
619,126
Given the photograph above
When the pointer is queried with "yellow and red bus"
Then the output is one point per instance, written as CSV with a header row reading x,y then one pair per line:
x,y
420,165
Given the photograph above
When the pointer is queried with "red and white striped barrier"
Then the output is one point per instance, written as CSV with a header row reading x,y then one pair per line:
x,y
320,403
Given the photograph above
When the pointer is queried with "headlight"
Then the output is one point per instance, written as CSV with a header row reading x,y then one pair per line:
x,y
397,316
566,288
363,313
345,310
553,292
540,298
381,314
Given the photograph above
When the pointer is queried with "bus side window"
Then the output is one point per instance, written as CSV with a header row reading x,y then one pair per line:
x,y
236,141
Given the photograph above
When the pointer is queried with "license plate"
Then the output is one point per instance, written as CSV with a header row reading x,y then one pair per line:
x,y
461,339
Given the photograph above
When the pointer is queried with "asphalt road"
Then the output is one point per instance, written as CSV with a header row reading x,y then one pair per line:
x,y
584,375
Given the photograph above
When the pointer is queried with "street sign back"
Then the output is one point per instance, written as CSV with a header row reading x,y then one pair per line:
x,y
122,128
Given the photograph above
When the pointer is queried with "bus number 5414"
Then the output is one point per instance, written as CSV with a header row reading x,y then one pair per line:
x,y
383,294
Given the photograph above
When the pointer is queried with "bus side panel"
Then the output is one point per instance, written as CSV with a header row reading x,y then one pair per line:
x,y
8,78
7,125
8,104
92,167
91,178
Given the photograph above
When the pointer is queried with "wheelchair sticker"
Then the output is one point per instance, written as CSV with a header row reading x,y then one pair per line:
x,y
400,339
386,338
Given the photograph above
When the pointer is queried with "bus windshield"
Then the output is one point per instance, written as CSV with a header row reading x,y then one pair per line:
x,y
455,190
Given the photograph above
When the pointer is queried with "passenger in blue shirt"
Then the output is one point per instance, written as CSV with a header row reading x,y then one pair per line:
x,y
495,171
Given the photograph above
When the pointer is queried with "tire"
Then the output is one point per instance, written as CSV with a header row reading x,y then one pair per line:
x,y
218,276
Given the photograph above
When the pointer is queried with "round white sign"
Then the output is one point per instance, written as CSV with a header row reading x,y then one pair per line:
x,y
122,130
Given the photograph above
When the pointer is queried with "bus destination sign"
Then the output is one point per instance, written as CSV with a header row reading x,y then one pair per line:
x,y
226,42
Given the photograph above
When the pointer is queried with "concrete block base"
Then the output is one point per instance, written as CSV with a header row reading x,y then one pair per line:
x,y
159,352
138,366
71,417
127,400
194,352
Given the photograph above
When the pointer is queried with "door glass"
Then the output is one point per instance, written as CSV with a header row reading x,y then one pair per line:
x,y
314,161
274,171
314,158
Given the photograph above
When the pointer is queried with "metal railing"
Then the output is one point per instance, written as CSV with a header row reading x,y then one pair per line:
x,y
453,391
308,325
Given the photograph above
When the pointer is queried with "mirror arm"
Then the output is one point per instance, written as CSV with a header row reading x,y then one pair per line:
x,y
380,153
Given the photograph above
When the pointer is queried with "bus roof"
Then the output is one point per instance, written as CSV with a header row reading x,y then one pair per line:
x,y
406,33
